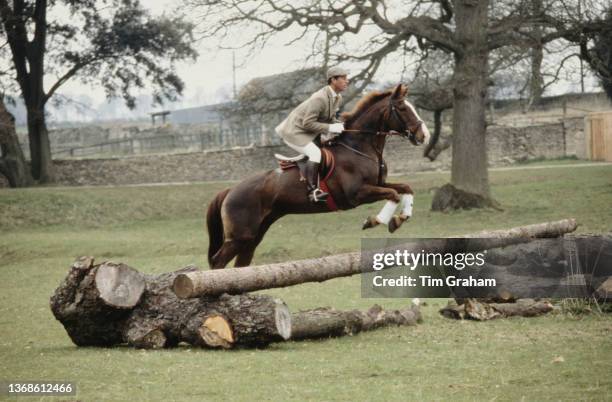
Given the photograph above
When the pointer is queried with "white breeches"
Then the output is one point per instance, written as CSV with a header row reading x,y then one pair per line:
x,y
310,150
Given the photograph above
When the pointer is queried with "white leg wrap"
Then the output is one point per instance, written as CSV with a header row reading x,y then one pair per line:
x,y
385,214
407,200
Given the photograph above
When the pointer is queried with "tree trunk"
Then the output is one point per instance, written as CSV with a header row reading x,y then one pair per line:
x,y
469,164
536,81
40,146
328,322
247,279
12,161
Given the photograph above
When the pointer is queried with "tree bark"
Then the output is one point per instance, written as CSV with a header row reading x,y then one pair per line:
x,y
469,164
12,161
236,281
40,146
328,322
110,304
536,81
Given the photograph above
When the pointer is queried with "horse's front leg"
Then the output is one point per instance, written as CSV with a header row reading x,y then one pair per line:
x,y
368,194
386,215
407,196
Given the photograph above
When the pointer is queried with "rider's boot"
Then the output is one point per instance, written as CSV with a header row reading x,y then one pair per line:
x,y
315,194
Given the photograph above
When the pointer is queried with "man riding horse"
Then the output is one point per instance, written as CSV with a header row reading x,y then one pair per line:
x,y
238,217
313,117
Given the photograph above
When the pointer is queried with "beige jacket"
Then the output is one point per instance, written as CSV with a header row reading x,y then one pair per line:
x,y
311,118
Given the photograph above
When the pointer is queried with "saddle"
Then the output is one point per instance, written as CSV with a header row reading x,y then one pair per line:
x,y
326,167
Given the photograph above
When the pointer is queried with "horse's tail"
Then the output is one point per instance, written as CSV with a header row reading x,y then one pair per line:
x,y
214,222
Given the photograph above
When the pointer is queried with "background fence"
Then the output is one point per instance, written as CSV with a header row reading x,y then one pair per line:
x,y
216,139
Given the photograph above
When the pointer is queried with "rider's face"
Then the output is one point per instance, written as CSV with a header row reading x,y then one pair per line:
x,y
340,83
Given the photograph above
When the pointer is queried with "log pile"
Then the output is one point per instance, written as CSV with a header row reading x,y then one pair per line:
x,y
110,304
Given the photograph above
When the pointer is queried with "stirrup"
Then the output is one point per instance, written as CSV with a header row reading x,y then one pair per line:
x,y
317,195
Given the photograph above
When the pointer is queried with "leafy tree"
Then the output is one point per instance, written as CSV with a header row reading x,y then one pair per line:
x,y
112,43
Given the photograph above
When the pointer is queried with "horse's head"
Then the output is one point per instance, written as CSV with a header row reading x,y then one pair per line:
x,y
401,116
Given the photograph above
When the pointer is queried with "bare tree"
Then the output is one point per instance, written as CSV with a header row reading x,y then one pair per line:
x,y
599,55
366,32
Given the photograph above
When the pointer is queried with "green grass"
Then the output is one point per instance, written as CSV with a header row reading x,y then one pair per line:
x,y
161,228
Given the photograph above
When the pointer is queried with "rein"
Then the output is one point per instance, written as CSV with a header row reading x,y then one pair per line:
x,y
383,133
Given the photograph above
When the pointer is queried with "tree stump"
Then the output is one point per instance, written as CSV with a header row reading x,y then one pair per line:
x,y
449,197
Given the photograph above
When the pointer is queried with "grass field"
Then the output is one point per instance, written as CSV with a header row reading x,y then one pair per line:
x,y
161,228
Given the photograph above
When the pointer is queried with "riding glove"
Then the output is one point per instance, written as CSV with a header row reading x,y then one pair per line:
x,y
336,128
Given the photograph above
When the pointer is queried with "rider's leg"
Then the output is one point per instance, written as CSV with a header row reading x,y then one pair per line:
x,y
312,170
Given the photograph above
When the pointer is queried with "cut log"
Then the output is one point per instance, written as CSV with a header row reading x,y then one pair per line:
x,y
111,304
118,285
216,331
328,322
94,301
236,281
243,320
481,311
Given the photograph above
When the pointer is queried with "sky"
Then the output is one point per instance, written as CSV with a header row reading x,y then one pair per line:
x,y
208,80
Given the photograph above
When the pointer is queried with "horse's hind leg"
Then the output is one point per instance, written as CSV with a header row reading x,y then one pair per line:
x,y
226,253
245,256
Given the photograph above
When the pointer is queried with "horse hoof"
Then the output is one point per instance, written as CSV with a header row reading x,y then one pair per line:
x,y
395,222
370,222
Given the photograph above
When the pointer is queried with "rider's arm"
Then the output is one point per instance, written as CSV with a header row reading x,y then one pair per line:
x,y
310,121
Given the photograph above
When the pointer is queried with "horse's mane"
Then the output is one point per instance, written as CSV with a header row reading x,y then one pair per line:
x,y
363,104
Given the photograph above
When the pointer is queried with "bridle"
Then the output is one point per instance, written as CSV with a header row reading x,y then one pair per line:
x,y
408,131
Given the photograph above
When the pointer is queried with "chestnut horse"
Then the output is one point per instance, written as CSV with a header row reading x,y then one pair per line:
x,y
238,217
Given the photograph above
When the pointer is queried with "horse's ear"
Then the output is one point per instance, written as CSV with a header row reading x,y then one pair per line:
x,y
400,91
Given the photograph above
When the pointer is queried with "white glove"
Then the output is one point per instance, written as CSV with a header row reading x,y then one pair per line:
x,y
328,137
336,128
